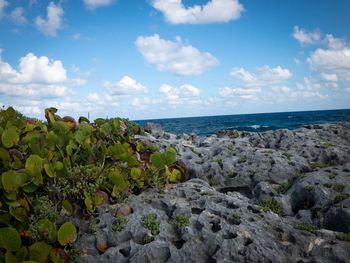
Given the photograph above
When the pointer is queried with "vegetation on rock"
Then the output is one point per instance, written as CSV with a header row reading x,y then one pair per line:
x,y
56,167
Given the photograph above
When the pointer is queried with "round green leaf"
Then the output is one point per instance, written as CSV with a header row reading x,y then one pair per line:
x,y
67,234
19,213
68,206
10,239
175,176
12,180
49,171
169,156
34,164
10,137
157,160
47,230
10,258
39,252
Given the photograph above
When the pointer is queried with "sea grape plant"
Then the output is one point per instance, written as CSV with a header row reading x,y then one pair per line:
x,y
52,168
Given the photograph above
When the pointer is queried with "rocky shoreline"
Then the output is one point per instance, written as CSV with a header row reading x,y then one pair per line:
x,y
276,196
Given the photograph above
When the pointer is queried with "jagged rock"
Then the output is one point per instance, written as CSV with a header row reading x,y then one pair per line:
x,y
307,171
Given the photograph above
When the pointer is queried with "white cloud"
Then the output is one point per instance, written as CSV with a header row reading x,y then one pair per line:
x,y
331,62
3,5
306,38
214,11
329,77
174,56
126,86
36,77
264,76
53,22
17,16
93,4
307,90
183,92
243,93
335,43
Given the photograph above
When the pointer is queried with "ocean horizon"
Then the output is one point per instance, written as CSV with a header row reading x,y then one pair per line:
x,y
253,122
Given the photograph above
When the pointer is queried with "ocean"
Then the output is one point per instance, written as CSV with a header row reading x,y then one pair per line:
x,y
203,126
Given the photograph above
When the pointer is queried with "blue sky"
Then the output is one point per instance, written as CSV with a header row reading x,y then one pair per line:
x,y
144,59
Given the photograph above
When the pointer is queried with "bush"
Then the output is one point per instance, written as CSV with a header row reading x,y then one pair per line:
x,y
182,220
270,204
62,165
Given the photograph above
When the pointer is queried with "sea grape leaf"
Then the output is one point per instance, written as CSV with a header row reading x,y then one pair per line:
x,y
19,213
83,119
4,155
118,180
10,137
67,234
88,202
22,253
175,176
12,180
34,164
47,230
10,258
106,128
49,171
30,188
68,206
39,252
169,156
157,160
23,201
10,239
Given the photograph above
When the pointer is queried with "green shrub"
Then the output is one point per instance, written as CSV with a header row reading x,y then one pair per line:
x,y
339,188
119,223
270,204
236,216
344,237
307,227
340,198
151,222
182,220
64,165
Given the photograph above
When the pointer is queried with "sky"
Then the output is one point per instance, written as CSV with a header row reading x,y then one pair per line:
x,y
151,59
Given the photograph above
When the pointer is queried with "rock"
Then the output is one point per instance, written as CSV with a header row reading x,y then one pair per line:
x,y
124,210
305,171
101,242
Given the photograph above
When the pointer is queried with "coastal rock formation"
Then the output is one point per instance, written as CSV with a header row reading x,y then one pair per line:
x,y
276,196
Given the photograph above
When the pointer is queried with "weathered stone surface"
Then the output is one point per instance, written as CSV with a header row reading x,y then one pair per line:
x,y
307,171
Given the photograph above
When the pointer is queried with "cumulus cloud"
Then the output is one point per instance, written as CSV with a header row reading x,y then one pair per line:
x,y
214,11
36,77
174,56
126,86
93,4
175,95
53,22
306,38
264,76
308,89
3,5
333,63
17,16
